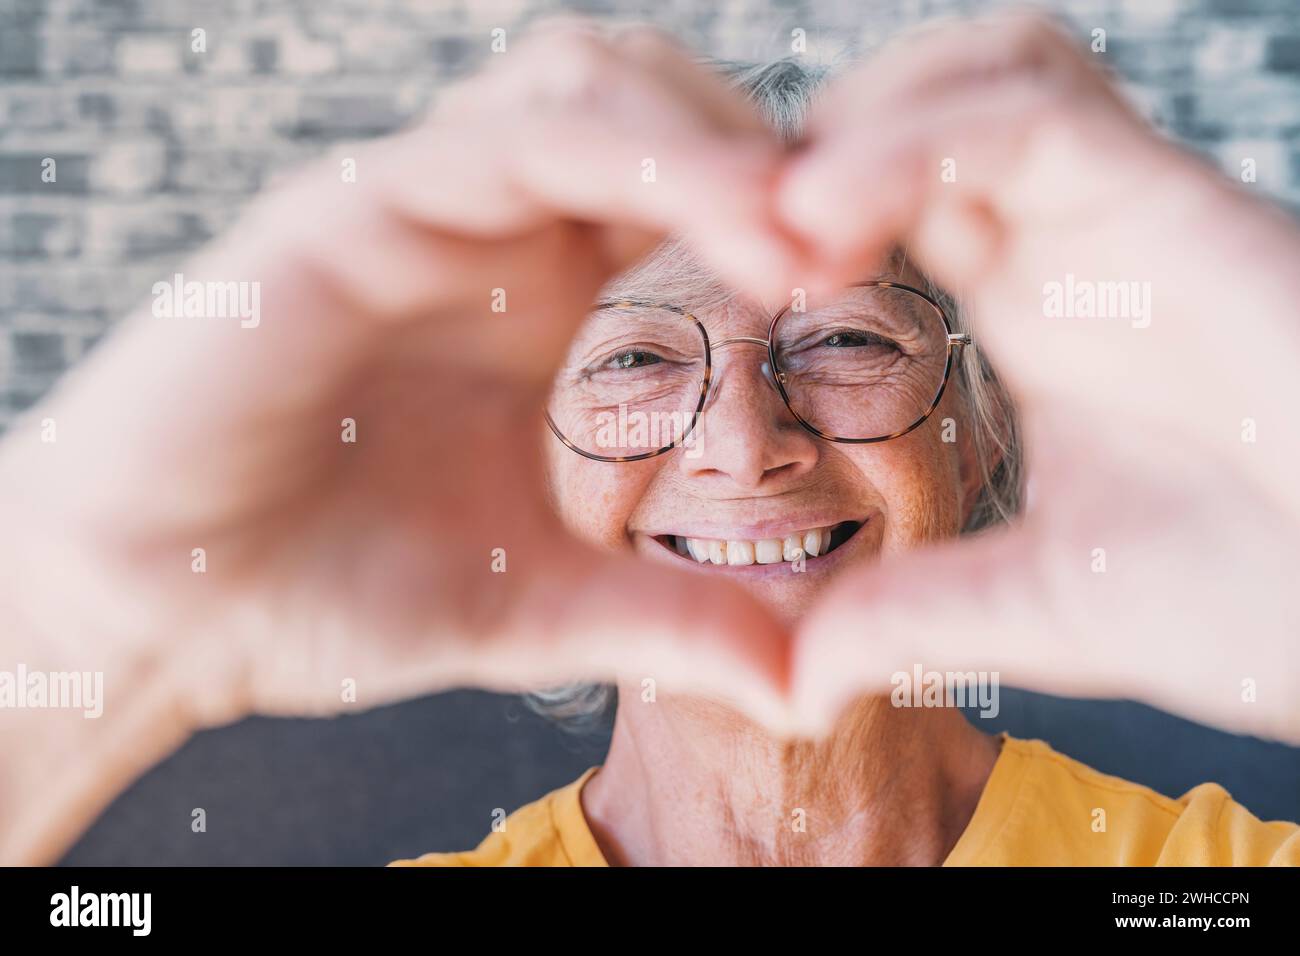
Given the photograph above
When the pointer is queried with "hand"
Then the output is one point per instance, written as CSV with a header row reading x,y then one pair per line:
x,y
373,560
1134,425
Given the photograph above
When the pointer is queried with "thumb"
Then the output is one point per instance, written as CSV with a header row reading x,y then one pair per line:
x,y
592,616
976,605
1006,608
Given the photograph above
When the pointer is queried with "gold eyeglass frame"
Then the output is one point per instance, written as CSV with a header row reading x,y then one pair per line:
x,y
956,341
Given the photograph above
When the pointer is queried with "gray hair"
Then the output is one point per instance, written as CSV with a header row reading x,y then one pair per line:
x,y
783,90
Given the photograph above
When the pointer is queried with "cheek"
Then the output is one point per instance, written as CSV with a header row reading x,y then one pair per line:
x,y
594,499
919,477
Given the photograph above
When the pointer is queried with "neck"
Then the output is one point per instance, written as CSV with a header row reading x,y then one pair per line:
x,y
690,782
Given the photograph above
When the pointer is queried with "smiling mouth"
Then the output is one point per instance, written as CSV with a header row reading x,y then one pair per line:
x,y
806,545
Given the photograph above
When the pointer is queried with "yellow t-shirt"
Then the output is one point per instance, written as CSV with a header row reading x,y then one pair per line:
x,y
1039,808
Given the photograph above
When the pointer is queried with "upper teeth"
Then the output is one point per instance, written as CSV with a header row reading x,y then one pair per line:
x,y
764,551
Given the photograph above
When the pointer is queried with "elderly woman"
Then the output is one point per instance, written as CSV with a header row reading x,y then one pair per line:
x,y
736,488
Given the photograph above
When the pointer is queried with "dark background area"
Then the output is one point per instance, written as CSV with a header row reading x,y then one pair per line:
x,y
426,775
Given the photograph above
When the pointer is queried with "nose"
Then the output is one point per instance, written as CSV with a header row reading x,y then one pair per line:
x,y
749,340
747,437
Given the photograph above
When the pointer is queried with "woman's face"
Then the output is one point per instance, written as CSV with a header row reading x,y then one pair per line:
x,y
756,483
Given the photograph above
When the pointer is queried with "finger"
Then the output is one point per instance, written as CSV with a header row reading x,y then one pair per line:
x,y
858,190
715,107
435,186
882,139
949,55
633,130
896,615
655,628
548,67
972,610
722,106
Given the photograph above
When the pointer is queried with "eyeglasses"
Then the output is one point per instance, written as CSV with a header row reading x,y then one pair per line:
x,y
868,366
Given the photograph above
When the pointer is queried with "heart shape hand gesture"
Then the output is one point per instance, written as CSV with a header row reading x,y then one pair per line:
x,y
325,558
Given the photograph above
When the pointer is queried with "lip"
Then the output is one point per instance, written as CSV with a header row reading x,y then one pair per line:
x,y
776,528
644,542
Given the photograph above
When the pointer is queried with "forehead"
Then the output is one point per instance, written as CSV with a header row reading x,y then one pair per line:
x,y
673,275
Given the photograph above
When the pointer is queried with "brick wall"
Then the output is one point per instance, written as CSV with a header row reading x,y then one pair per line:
x,y
157,146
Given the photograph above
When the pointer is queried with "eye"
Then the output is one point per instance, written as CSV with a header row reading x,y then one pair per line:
x,y
633,359
856,339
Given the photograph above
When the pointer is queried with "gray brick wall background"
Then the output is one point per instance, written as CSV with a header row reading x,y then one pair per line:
x,y
157,147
